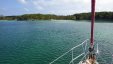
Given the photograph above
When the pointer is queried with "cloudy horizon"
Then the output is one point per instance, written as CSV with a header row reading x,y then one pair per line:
x,y
58,7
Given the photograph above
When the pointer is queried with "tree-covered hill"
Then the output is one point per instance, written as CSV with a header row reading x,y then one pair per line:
x,y
38,17
80,16
98,16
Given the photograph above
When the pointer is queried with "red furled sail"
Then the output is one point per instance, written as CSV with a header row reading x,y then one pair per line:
x,y
92,22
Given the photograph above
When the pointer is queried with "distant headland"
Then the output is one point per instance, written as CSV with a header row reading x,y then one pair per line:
x,y
79,16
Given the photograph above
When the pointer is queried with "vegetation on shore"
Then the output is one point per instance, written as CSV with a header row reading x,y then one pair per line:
x,y
98,16
80,16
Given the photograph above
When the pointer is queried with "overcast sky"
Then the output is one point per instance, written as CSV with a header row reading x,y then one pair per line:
x,y
58,7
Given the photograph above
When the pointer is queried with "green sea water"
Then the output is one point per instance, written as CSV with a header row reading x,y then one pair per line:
x,y
40,42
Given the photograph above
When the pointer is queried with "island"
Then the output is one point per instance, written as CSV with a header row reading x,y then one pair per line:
x,y
79,16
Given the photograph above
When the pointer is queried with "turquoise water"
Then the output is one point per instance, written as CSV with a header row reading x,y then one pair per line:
x,y
43,41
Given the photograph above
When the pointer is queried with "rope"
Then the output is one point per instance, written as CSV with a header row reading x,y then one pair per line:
x,y
80,44
59,57
68,51
76,58
87,52
72,57
84,56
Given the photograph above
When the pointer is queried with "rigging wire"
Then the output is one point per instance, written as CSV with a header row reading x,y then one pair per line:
x,y
69,51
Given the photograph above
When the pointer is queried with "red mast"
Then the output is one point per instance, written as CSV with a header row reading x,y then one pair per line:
x,y
92,22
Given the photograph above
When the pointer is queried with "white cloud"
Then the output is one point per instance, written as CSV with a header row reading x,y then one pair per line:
x,y
104,5
23,1
63,6
67,6
3,10
26,9
38,5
